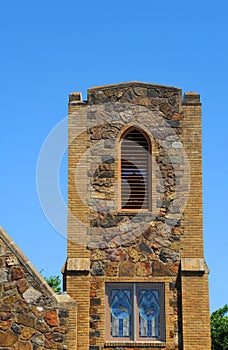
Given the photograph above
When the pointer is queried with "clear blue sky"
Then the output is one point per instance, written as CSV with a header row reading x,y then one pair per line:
x,y
52,48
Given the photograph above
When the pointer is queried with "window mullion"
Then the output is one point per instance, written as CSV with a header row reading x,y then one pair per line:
x,y
134,312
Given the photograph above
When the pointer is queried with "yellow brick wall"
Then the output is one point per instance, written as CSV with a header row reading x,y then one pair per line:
x,y
78,284
195,308
193,219
194,284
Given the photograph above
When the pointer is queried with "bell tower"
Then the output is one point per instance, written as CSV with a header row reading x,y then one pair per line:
x,y
135,260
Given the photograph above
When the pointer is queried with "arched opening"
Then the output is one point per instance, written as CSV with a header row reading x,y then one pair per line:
x,y
135,150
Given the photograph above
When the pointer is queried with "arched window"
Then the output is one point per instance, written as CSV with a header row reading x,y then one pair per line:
x,y
135,172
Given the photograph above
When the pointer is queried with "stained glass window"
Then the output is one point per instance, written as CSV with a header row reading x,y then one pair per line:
x,y
120,313
149,313
135,311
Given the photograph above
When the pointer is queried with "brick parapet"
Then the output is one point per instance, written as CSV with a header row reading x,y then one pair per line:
x,y
193,216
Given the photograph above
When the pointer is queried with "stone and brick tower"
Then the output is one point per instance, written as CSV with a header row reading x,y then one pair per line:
x,y
135,261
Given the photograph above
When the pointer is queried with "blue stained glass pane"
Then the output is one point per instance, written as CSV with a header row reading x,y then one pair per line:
x,y
121,328
149,313
148,304
120,304
120,307
149,328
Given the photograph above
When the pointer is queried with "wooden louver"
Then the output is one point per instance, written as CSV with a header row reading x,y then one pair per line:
x,y
134,171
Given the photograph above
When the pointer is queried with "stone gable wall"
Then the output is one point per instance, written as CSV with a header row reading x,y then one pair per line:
x,y
32,317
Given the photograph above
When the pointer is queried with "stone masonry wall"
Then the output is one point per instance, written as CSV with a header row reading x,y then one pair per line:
x,y
32,317
142,246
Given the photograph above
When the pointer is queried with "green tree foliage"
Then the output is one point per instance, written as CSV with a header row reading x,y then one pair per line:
x,y
54,282
219,329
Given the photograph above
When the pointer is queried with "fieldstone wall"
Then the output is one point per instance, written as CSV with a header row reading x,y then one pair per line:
x,y
166,99
32,317
148,242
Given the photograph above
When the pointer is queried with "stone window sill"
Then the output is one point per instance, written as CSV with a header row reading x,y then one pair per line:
x,y
138,344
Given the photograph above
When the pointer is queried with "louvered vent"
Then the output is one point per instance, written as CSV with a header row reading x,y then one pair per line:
x,y
134,171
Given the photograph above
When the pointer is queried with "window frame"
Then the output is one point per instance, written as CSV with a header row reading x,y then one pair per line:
x,y
149,168
134,286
